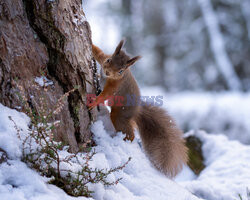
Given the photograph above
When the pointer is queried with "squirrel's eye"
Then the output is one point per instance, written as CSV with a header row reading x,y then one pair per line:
x,y
121,71
108,61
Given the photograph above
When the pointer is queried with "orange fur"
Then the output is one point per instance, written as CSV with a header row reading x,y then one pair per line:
x,y
161,138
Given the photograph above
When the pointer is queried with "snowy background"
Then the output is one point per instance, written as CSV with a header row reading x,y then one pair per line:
x,y
198,45
195,55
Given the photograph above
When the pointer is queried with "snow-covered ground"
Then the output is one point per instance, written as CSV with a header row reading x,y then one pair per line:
x,y
226,175
227,172
17,181
140,180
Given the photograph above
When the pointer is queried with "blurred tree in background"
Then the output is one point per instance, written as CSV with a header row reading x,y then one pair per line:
x,y
186,44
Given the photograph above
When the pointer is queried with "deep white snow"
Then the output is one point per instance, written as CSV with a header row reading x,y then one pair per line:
x,y
226,175
227,172
140,180
17,181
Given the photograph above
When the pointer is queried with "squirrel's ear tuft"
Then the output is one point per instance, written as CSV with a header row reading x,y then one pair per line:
x,y
119,47
132,61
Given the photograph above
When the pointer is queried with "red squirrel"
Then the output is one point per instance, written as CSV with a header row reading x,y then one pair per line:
x,y
162,140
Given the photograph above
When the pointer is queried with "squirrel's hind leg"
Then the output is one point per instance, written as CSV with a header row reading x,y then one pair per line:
x,y
124,125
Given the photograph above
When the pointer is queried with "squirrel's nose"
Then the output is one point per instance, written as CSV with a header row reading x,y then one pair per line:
x,y
107,73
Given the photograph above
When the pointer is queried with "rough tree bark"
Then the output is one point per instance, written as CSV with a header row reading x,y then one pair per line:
x,y
53,37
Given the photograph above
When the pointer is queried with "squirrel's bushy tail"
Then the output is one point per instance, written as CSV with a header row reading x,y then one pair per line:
x,y
162,140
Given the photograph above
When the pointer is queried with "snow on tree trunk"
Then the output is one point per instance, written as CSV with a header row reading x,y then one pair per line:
x,y
218,47
51,38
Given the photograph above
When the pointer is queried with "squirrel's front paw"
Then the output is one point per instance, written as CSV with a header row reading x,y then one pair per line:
x,y
92,106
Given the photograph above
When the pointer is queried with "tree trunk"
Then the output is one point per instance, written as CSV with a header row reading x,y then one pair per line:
x,y
217,43
53,38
